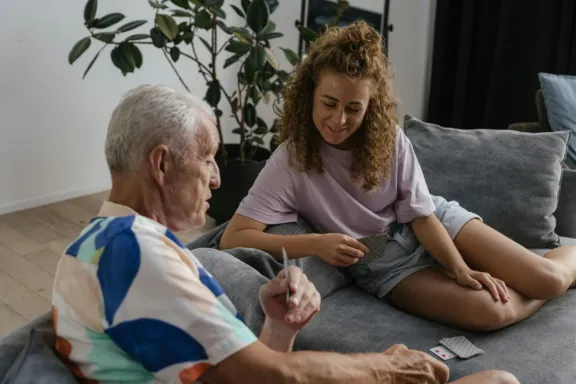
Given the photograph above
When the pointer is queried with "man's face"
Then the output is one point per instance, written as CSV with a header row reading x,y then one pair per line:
x,y
188,192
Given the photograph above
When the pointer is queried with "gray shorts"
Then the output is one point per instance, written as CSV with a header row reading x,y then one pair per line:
x,y
403,254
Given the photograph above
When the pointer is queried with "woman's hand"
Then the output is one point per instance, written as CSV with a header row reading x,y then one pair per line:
x,y
304,301
477,280
339,250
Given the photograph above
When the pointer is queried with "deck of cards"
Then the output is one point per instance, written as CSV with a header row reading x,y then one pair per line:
x,y
456,347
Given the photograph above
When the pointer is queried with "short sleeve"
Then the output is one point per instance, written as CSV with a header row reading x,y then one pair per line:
x,y
163,309
414,199
271,200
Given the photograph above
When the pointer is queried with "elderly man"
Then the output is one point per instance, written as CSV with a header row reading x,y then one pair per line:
x,y
132,304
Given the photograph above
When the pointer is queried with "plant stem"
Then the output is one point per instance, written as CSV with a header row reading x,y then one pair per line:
x,y
175,70
197,61
215,79
242,120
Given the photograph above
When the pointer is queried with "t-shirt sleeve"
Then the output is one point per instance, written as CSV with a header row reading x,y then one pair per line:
x,y
414,199
271,200
164,310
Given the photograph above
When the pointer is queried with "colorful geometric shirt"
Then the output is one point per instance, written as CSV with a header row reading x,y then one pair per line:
x,y
131,304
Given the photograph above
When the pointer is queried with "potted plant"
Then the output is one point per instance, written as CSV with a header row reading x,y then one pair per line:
x,y
178,28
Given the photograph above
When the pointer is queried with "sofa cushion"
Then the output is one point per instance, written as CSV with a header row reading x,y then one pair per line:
x,y
566,212
510,178
37,363
559,93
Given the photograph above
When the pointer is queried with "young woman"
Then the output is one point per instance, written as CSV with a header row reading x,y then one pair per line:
x,y
346,167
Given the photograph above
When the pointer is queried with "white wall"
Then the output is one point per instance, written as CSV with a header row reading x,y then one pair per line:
x,y
53,123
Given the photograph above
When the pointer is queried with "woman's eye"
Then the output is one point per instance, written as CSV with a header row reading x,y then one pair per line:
x,y
328,105
354,110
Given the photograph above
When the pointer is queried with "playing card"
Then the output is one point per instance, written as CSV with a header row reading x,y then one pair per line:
x,y
443,352
462,347
375,244
286,271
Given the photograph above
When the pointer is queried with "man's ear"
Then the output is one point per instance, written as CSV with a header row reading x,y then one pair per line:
x,y
160,163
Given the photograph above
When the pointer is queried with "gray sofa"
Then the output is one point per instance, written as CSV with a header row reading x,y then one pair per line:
x,y
530,199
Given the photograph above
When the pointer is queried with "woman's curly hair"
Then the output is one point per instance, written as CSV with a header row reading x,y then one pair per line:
x,y
354,50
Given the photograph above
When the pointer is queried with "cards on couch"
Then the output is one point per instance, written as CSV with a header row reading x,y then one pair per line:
x,y
456,347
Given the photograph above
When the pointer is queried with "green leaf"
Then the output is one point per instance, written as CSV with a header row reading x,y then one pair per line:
x,y
90,10
234,105
254,94
203,19
307,33
131,25
238,11
180,13
271,58
249,114
78,49
109,20
257,57
258,140
270,36
167,25
213,93
208,47
223,27
269,28
245,5
274,127
291,56
272,5
249,73
181,3
262,128
188,37
157,5
218,12
158,38
136,54
238,47
122,59
232,59
175,53
90,65
105,37
257,15
138,36
237,131
241,34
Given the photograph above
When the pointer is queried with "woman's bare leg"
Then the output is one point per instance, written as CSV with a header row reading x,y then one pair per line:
x,y
536,277
488,377
432,294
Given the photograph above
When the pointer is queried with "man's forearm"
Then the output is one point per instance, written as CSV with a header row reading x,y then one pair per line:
x,y
296,245
277,336
435,238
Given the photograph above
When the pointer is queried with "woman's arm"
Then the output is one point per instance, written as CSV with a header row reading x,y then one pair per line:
x,y
245,232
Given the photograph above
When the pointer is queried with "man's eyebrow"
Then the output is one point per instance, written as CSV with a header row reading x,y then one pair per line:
x,y
335,99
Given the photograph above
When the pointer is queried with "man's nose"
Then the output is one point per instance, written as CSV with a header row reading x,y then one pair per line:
x,y
215,178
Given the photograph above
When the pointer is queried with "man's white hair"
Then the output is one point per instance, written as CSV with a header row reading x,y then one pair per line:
x,y
150,115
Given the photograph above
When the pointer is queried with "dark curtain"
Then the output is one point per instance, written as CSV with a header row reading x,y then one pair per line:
x,y
487,55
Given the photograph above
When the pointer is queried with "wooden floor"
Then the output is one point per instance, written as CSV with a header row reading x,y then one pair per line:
x,y
31,242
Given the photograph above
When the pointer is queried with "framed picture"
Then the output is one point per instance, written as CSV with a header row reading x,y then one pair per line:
x,y
315,14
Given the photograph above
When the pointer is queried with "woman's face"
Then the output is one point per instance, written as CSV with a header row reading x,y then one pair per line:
x,y
339,107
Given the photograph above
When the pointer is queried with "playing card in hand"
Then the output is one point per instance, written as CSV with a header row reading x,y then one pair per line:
x,y
375,244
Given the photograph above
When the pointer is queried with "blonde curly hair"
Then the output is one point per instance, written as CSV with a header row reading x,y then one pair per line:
x,y
354,50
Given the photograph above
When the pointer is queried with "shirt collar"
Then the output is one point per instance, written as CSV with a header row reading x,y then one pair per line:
x,y
112,209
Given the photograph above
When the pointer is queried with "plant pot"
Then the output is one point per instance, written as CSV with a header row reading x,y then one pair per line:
x,y
236,180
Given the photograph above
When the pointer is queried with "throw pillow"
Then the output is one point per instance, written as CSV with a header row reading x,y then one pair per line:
x,y
560,98
566,212
510,178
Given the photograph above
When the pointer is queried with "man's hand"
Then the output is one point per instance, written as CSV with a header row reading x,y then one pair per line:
x,y
304,300
409,366
339,250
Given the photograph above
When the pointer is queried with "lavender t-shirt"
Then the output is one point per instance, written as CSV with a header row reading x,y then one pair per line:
x,y
330,201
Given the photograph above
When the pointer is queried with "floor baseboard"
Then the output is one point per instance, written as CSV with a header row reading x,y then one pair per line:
x,y
55,197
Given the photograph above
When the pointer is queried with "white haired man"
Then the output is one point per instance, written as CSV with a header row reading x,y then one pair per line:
x,y
132,304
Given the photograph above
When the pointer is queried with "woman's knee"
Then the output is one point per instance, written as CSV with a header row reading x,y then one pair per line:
x,y
552,280
489,315
493,377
